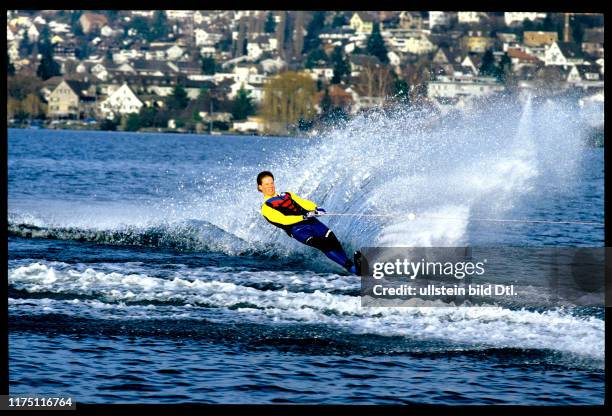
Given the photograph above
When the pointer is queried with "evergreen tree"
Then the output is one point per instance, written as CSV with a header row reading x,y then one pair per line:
x,y
160,25
376,45
314,57
487,66
179,99
401,90
339,20
208,65
312,41
342,68
48,67
132,122
270,25
505,68
25,46
242,107
141,25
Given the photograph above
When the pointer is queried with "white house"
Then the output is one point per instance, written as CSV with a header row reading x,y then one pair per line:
x,y
272,65
468,17
254,51
256,92
418,45
468,63
174,53
438,19
511,18
33,34
252,124
107,31
561,54
463,86
322,73
122,101
56,27
205,38
100,72
554,56
180,15
198,17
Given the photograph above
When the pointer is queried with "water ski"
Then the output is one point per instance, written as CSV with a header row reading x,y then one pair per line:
x,y
357,262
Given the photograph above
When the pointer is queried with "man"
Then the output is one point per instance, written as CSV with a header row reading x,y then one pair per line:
x,y
296,216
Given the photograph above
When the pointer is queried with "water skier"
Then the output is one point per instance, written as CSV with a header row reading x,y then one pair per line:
x,y
297,217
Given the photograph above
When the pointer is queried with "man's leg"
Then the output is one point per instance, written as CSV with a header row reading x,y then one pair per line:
x,y
325,240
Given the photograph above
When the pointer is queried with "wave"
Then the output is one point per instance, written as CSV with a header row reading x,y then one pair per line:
x,y
140,296
191,235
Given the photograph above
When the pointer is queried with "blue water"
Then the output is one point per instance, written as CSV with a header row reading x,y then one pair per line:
x,y
140,270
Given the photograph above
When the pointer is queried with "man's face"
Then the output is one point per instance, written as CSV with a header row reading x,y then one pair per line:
x,y
267,186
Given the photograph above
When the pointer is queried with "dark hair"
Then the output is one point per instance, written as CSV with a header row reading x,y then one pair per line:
x,y
262,175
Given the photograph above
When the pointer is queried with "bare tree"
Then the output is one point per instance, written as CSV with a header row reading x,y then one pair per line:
x,y
374,79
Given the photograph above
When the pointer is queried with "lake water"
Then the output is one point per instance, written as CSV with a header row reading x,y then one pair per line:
x,y
141,271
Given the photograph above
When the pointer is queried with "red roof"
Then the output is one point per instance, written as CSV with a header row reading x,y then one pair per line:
x,y
521,55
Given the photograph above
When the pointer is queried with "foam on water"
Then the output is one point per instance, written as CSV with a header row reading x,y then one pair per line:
x,y
481,163
555,330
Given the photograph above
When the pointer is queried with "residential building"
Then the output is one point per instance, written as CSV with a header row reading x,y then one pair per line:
x,y
561,53
362,22
70,99
411,21
120,102
512,18
439,19
477,42
468,17
251,125
531,38
593,42
463,86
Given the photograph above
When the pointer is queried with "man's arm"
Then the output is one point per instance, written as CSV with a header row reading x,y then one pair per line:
x,y
304,203
275,216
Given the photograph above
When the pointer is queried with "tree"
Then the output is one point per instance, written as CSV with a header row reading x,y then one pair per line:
x,y
376,45
132,123
505,68
107,124
270,25
25,46
208,65
179,99
312,41
141,25
339,20
288,97
325,104
245,49
401,90
487,66
375,80
10,68
48,67
242,107
160,26
314,57
342,68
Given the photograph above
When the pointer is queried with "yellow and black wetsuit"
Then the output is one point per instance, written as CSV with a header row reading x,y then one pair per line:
x,y
288,211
